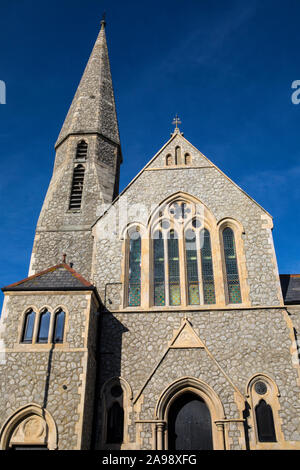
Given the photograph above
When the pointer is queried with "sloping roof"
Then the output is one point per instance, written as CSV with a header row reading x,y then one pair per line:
x,y
209,162
59,277
290,285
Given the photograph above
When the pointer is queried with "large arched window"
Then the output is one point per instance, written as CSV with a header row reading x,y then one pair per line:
x,y
232,274
28,327
44,324
59,326
159,268
134,284
77,187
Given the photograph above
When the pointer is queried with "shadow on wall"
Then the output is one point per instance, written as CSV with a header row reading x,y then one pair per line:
x,y
108,427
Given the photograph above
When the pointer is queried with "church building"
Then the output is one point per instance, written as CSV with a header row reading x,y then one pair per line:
x,y
154,318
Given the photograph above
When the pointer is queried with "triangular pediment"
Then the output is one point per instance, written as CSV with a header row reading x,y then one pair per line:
x,y
186,337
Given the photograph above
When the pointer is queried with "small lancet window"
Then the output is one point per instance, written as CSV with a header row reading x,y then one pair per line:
x,y
232,275
177,156
173,263
187,159
115,424
265,422
207,269
59,326
81,151
77,187
192,267
134,291
159,269
44,327
169,160
28,327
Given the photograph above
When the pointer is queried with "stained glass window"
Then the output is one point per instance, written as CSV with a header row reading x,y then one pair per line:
x,y
28,327
59,326
207,269
159,269
174,275
134,294
265,422
192,268
44,327
233,283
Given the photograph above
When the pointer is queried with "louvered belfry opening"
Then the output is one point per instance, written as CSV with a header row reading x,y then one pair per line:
x,y
77,187
81,152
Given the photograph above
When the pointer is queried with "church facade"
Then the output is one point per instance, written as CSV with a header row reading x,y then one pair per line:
x,y
151,319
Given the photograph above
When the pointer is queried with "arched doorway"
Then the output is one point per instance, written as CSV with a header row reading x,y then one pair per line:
x,y
189,403
189,424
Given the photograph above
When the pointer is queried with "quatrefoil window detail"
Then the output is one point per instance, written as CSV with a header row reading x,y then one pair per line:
x,y
180,211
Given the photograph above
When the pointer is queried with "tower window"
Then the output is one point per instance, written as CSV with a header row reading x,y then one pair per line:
x,y
77,187
81,151
44,327
28,327
59,325
232,275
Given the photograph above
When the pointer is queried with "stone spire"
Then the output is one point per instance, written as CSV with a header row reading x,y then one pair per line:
x,y
93,109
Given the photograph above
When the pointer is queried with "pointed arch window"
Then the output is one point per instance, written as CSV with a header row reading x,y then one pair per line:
x,y
77,187
232,274
134,287
199,265
28,327
81,151
207,269
173,265
265,422
192,267
115,424
44,324
159,269
59,326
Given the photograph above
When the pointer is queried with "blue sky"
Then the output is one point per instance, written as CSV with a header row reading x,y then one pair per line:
x,y
226,67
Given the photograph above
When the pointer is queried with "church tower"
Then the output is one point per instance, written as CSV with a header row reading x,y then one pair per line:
x,y
86,169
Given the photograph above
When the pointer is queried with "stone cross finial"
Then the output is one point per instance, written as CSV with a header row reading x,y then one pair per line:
x,y
176,121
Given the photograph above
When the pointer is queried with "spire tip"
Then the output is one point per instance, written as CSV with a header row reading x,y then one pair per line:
x,y
103,21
